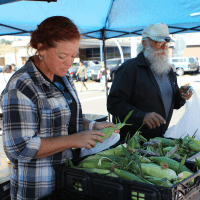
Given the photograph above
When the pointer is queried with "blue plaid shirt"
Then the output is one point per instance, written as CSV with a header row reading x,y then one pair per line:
x,y
34,108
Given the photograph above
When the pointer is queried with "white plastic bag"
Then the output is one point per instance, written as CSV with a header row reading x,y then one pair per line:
x,y
109,141
189,122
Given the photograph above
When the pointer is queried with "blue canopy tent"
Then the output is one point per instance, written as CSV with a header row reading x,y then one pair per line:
x,y
101,19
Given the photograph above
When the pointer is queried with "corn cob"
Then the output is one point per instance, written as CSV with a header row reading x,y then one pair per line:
x,y
95,164
167,149
95,170
184,175
145,160
194,147
109,130
172,164
171,153
129,176
165,142
175,155
195,141
112,152
93,157
152,169
159,181
112,174
143,151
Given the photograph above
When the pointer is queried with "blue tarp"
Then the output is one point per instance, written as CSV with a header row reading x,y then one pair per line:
x,y
117,17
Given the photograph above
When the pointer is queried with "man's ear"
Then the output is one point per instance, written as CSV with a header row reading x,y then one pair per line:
x,y
144,43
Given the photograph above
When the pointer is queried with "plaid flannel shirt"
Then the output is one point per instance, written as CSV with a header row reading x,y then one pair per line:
x,y
34,108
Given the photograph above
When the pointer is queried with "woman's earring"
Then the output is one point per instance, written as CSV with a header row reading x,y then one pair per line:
x,y
40,57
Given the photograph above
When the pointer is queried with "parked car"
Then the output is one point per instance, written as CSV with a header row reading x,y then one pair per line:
x,y
111,64
91,70
184,64
87,63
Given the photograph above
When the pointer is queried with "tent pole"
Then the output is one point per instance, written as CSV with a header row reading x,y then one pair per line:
x,y
104,58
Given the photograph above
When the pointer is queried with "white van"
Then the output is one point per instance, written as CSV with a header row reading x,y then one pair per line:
x,y
184,64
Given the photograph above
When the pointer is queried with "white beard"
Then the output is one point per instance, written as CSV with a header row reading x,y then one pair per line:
x,y
159,63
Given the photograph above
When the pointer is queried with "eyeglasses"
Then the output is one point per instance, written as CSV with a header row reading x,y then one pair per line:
x,y
66,94
161,44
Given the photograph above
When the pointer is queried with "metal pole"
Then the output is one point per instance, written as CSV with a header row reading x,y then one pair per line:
x,y
101,52
120,50
104,55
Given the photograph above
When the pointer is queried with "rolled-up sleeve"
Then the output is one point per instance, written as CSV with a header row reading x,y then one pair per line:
x,y
20,123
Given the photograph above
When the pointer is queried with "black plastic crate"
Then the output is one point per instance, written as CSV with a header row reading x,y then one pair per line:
x,y
53,196
86,185
5,190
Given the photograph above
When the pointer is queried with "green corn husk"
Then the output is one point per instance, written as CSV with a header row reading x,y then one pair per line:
x,y
165,142
129,176
184,175
112,174
154,170
194,141
96,164
95,170
172,164
109,130
93,157
159,181
194,147
145,160
112,152
167,149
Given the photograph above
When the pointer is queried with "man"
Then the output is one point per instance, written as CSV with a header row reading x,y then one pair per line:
x,y
147,85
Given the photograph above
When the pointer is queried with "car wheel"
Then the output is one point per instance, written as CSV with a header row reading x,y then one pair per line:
x,y
179,71
112,76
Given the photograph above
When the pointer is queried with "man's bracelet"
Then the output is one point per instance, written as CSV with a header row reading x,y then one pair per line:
x,y
91,124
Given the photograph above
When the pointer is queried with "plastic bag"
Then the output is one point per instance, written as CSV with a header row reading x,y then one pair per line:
x,y
109,141
189,123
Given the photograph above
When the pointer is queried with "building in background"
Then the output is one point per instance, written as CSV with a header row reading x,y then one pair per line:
x,y
91,49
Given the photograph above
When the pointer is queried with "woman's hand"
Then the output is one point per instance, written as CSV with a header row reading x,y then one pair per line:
x,y
85,139
104,124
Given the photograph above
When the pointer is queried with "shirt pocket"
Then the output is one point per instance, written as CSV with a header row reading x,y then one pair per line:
x,y
54,117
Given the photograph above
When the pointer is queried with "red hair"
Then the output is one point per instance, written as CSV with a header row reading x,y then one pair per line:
x,y
54,29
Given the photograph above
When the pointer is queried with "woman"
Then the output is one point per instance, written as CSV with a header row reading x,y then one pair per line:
x,y
102,76
42,113
5,76
82,71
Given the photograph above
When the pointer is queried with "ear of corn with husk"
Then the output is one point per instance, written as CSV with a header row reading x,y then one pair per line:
x,y
109,130
170,162
157,171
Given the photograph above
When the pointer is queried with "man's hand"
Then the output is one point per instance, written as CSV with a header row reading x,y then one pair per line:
x,y
153,120
184,92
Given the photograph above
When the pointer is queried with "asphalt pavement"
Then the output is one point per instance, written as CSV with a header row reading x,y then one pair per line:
x,y
93,101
